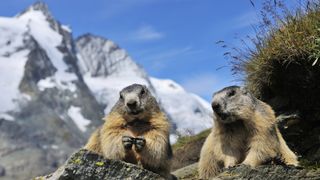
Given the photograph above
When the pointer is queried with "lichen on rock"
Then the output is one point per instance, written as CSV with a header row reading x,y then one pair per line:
x,y
85,165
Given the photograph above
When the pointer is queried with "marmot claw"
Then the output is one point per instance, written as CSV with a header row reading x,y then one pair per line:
x,y
127,142
140,142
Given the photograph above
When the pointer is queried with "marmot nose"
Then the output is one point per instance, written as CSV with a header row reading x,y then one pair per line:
x,y
132,104
216,106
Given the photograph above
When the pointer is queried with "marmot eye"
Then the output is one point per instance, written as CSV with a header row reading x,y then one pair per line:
x,y
142,92
121,97
231,93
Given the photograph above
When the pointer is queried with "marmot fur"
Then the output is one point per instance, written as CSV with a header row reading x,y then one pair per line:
x,y
245,131
135,131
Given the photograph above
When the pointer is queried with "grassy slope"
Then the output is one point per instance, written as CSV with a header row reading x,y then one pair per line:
x,y
284,61
187,149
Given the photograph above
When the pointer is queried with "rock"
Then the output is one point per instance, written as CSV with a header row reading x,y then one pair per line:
x,y
270,172
85,165
302,135
242,172
2,171
188,172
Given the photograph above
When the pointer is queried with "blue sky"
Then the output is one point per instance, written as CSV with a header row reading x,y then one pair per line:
x,y
170,38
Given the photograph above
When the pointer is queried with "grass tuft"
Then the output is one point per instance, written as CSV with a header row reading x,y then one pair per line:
x,y
284,60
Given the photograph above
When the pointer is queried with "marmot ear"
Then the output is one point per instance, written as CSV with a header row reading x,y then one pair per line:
x,y
244,90
120,95
145,87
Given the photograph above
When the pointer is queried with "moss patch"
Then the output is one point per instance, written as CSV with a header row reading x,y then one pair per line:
x,y
99,163
76,161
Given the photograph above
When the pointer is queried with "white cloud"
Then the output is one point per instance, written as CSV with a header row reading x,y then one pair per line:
x,y
205,84
158,66
172,53
158,58
147,33
163,58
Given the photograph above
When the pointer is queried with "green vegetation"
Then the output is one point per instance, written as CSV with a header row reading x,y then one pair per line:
x,y
284,60
189,139
99,163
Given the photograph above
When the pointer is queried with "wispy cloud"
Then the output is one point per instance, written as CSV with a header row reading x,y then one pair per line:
x,y
166,55
201,84
205,84
161,59
247,19
146,33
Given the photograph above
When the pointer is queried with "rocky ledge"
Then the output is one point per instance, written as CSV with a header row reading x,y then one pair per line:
x,y
85,165
242,172
270,172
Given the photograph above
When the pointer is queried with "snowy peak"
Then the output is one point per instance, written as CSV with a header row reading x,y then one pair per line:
x,y
47,35
101,57
44,101
42,8
37,56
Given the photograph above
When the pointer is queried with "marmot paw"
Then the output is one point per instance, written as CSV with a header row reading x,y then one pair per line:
x,y
140,142
127,142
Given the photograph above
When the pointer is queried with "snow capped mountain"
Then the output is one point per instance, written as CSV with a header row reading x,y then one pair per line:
x,y
55,91
13,57
107,69
36,54
44,101
101,57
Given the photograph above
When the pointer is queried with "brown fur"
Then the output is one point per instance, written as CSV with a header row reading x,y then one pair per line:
x,y
152,125
252,139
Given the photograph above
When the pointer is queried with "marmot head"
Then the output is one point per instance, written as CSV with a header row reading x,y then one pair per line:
x,y
233,103
136,102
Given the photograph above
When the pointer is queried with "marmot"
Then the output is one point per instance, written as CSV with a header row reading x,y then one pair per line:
x,y
245,131
135,131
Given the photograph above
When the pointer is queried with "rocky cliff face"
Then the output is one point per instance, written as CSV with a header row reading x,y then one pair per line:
x,y
100,57
55,91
